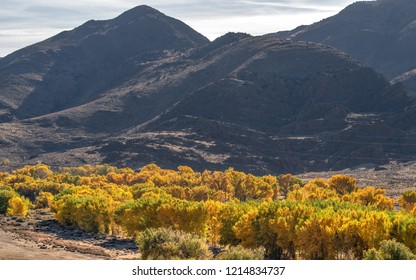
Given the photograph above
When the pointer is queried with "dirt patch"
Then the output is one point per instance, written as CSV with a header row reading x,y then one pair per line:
x,y
41,238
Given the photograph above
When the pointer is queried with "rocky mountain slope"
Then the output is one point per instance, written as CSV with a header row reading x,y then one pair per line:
x,y
145,88
78,66
287,106
381,34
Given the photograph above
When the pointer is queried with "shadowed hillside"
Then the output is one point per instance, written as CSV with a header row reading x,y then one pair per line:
x,y
381,34
145,88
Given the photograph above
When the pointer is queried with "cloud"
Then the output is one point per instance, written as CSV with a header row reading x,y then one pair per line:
x,y
24,22
214,18
283,6
197,8
254,24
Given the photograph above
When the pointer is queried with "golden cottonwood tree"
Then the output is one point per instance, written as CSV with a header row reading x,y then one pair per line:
x,y
343,184
370,196
408,200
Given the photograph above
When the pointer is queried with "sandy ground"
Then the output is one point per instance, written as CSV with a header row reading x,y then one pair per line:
x,y
15,249
42,238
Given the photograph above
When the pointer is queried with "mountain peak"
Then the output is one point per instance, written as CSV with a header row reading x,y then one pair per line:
x,y
112,48
138,12
140,27
157,26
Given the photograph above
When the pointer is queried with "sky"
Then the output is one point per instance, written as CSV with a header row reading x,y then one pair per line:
x,y
25,22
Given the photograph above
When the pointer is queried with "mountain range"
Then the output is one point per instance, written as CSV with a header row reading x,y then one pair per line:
x,y
380,34
146,88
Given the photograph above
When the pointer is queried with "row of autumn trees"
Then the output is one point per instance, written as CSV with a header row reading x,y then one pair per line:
x,y
284,217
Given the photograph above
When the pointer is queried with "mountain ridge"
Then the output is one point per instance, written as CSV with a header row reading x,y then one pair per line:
x,y
380,34
129,92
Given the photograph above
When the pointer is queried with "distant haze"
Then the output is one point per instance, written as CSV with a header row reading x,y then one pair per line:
x,y
24,22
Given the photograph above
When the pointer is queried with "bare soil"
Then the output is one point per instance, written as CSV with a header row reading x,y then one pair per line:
x,y
40,237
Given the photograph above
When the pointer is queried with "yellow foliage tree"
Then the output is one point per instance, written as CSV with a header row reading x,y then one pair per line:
x,y
213,210
312,191
315,237
370,196
18,207
342,184
408,200
244,229
44,200
404,229
287,182
285,224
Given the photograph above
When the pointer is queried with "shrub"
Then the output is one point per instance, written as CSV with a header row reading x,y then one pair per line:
x,y
18,207
241,253
168,244
6,193
44,200
390,250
